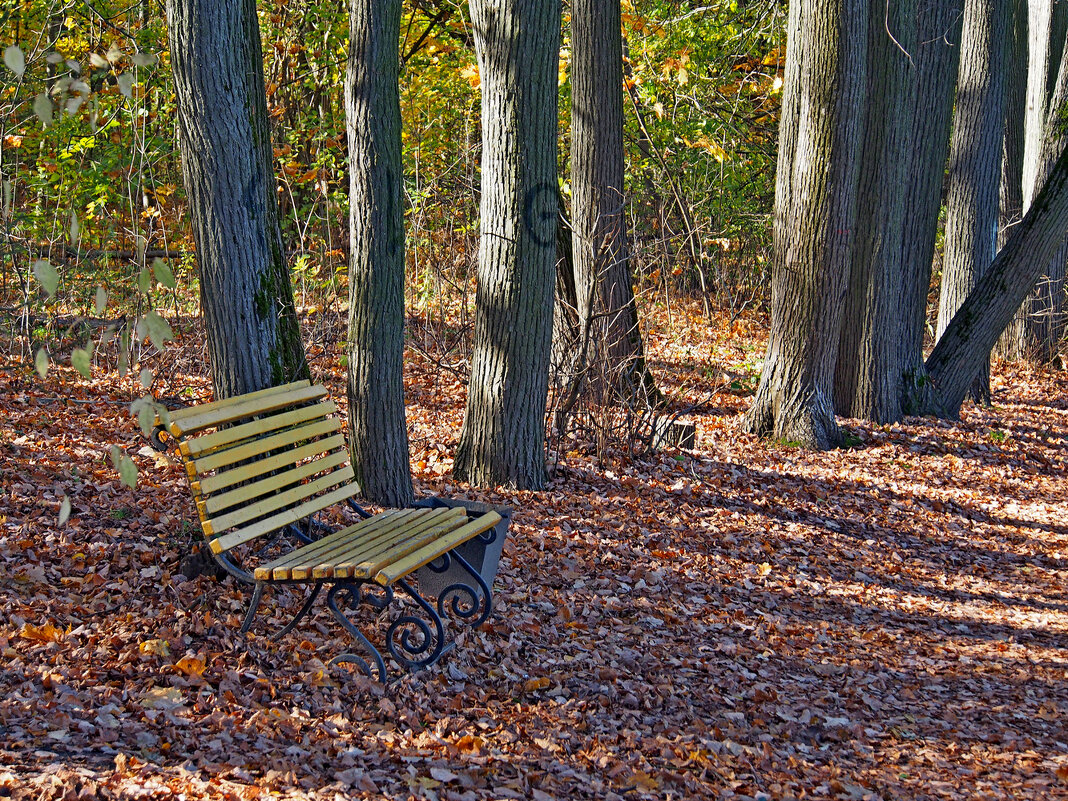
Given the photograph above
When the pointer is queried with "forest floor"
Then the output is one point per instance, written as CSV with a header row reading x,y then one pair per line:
x,y
746,620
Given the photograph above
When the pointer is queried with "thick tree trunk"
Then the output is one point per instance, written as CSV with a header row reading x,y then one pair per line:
x,y
378,434
1041,75
975,162
815,221
1011,191
1039,325
604,291
871,356
965,345
1043,22
223,131
937,56
1046,320
503,438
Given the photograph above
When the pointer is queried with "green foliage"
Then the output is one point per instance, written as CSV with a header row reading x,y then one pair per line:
x,y
90,176
703,96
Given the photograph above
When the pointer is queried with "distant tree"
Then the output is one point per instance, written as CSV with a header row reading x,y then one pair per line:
x,y
1038,327
966,343
250,321
503,437
815,219
378,432
604,311
975,162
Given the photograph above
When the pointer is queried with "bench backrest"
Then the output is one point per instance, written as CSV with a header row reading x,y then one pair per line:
x,y
259,462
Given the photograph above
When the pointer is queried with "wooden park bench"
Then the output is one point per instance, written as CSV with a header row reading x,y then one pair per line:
x,y
261,466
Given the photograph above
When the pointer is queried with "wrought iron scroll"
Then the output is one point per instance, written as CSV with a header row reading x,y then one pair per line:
x,y
470,604
414,642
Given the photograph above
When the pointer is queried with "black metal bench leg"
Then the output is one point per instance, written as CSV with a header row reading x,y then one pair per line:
x,y
253,605
353,591
304,610
410,639
471,604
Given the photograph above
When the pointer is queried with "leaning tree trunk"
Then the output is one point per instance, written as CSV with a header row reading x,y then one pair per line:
x,y
871,356
503,438
975,162
937,56
604,291
377,431
965,345
815,221
224,134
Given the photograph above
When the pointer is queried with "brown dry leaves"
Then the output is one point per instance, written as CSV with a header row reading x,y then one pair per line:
x,y
750,620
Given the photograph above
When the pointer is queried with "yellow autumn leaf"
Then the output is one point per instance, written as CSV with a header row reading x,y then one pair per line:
x,y
530,685
191,665
470,72
45,633
155,647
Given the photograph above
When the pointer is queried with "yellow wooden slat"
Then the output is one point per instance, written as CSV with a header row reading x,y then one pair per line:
x,y
181,414
279,568
248,492
347,562
310,555
246,472
257,447
244,407
413,561
217,525
257,428
394,548
275,522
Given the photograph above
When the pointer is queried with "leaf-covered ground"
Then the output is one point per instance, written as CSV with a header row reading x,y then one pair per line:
x,y
748,620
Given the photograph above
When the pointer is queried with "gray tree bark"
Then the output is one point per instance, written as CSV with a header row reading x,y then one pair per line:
x,y
816,197
871,357
1046,319
937,56
1038,327
517,43
224,134
378,433
965,345
604,290
1011,192
975,161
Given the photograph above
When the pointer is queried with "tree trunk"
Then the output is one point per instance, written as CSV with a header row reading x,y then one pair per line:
x,y
252,332
615,364
871,356
1041,76
503,438
815,220
378,434
975,162
1045,321
965,345
1043,21
937,56
1038,327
